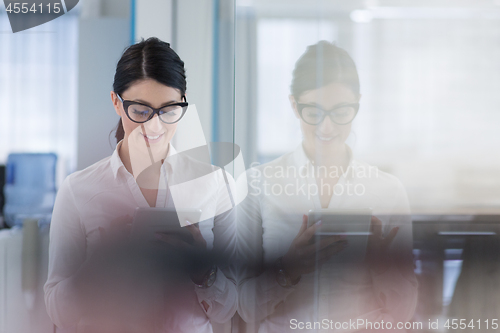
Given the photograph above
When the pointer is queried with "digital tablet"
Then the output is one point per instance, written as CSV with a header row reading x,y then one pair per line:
x,y
354,225
148,221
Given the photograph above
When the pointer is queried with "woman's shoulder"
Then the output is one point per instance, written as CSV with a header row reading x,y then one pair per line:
x,y
376,181
270,168
361,169
98,174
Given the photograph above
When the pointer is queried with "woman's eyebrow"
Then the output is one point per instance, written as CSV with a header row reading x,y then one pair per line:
x,y
148,104
334,106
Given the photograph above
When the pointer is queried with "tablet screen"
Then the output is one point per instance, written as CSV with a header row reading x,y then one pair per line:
x,y
148,221
354,225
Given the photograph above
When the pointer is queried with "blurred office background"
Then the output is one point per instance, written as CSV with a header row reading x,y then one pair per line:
x,y
429,72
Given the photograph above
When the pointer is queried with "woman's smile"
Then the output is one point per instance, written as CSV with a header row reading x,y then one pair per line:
x,y
326,138
152,138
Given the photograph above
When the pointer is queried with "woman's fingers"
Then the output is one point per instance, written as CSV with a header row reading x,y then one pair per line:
x,y
308,234
304,255
118,228
122,220
304,237
198,237
376,227
390,237
303,227
177,240
172,240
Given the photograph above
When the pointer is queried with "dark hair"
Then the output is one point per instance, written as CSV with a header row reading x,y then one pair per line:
x,y
148,59
323,63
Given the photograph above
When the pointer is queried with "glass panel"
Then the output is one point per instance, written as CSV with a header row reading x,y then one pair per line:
x,y
38,88
419,155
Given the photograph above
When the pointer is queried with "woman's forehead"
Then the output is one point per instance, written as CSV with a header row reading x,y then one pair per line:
x,y
151,92
329,95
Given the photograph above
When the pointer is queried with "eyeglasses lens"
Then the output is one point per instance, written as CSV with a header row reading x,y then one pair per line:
x,y
342,115
171,114
139,113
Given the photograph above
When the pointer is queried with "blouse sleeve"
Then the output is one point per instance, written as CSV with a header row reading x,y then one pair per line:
x,y
396,289
66,253
259,292
221,297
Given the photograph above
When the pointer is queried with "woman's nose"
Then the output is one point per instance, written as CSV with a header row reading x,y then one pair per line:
x,y
326,126
154,125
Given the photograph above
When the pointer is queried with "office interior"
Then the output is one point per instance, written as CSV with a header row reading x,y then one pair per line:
x,y
429,115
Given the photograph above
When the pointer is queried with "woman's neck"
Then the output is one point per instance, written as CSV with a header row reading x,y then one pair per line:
x,y
125,156
338,157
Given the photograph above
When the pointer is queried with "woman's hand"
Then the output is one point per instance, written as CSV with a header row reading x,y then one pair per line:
x,y
305,255
195,251
119,229
376,251
115,235
171,239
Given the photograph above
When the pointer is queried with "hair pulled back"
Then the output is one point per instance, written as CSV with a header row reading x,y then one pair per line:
x,y
323,63
148,59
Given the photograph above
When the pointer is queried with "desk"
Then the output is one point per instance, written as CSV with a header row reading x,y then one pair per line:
x,y
440,238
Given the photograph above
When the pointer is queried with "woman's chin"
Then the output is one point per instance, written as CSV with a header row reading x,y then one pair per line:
x,y
329,145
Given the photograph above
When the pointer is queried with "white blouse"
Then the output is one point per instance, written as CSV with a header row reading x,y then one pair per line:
x,y
280,193
92,198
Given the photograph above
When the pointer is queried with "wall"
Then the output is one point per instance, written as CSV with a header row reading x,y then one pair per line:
x,y
153,18
103,37
194,44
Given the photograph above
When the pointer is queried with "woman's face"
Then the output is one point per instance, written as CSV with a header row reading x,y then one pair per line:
x,y
326,137
153,132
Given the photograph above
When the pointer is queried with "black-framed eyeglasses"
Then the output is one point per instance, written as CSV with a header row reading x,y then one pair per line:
x,y
141,113
342,114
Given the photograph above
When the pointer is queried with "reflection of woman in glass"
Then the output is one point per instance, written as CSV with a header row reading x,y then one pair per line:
x,y
290,283
149,96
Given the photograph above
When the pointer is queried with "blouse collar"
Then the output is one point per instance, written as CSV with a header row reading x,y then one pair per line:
x,y
117,164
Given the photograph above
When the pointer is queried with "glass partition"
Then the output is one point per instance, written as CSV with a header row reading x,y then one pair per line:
x,y
378,107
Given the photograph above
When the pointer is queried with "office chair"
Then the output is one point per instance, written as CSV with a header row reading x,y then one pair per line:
x,y
30,188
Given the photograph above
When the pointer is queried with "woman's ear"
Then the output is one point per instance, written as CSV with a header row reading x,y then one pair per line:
x,y
293,103
116,103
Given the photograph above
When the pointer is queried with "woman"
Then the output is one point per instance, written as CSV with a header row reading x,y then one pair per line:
x,y
95,205
291,282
